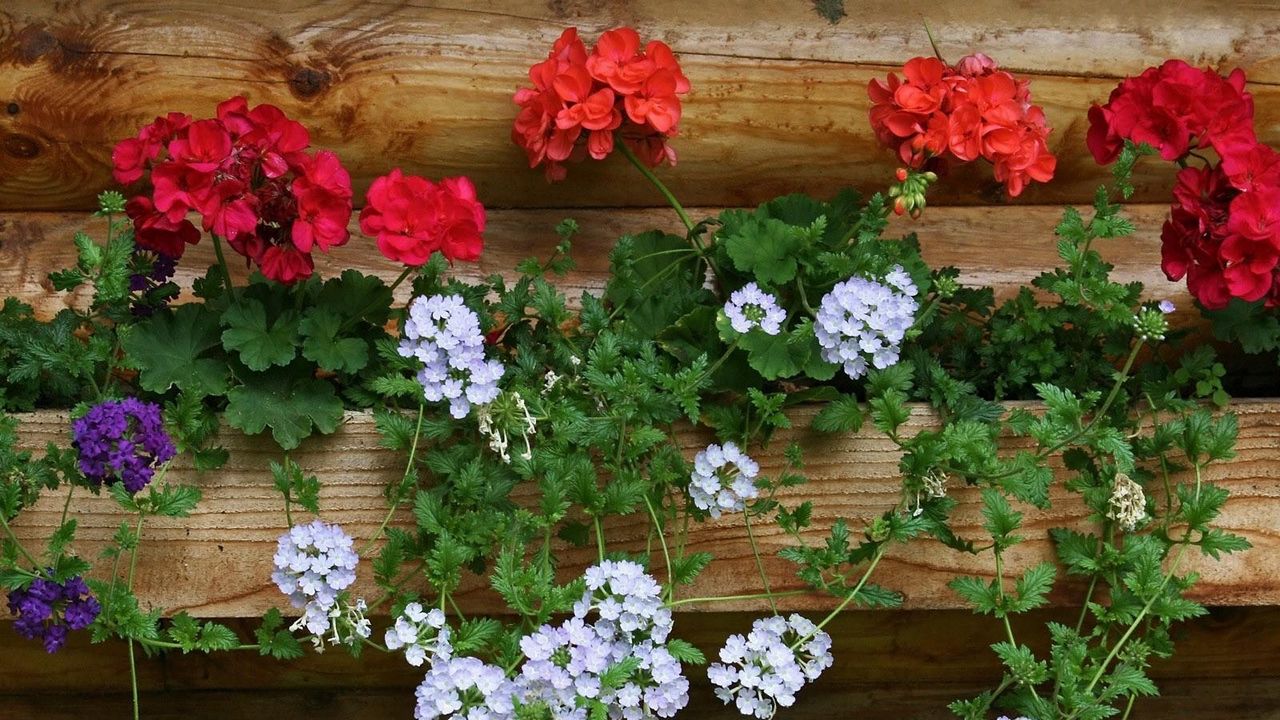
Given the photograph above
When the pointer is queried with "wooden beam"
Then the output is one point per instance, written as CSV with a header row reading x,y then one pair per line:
x,y
218,562
1004,247
778,102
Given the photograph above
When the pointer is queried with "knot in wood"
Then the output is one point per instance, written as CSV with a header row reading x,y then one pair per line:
x,y
24,147
307,82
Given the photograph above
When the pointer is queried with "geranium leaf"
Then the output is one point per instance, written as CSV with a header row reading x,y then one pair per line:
x,y
322,345
170,350
260,343
291,406
767,249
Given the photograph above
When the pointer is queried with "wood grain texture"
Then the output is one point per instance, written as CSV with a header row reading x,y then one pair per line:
x,y
218,561
1004,247
778,105
891,665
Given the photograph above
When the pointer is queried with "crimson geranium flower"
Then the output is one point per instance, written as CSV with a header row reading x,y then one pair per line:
x,y
1175,108
936,113
248,175
580,99
412,217
1223,231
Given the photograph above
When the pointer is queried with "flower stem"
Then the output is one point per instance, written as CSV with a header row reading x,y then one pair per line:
x,y
734,598
595,520
413,451
875,560
133,681
666,555
14,539
226,269
1115,650
662,188
755,554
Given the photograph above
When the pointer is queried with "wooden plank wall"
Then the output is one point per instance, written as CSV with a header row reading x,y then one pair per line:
x,y
778,105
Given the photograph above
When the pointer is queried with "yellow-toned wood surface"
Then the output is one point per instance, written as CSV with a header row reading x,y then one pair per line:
x,y
218,562
778,102
1004,247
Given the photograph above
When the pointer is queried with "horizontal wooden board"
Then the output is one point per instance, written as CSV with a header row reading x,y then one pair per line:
x,y
1003,247
218,561
778,103
888,665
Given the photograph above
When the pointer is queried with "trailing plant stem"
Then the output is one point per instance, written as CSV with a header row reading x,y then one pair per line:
x,y
755,554
662,188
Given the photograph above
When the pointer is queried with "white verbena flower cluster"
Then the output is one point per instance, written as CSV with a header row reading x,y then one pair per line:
x,y
443,333
861,323
422,633
749,307
567,662
314,564
464,688
723,479
770,665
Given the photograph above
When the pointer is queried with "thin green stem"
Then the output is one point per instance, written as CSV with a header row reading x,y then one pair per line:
x,y
133,682
666,555
653,180
755,553
408,468
66,506
226,269
14,539
595,520
735,598
1115,650
875,560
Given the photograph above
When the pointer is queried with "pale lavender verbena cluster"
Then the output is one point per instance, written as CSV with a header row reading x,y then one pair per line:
x,y
861,323
443,333
464,688
723,479
750,307
422,634
314,564
763,670
566,662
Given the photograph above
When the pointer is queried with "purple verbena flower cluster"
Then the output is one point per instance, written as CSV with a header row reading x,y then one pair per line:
x,y
314,564
565,662
443,333
422,634
723,479
464,688
750,307
770,665
122,441
47,610
861,323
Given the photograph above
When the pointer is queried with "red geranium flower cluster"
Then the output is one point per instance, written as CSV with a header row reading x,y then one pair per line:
x,y
1223,232
967,111
579,100
412,217
247,174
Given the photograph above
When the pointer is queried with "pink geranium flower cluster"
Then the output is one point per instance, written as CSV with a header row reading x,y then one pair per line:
x,y
580,100
1223,232
248,175
937,113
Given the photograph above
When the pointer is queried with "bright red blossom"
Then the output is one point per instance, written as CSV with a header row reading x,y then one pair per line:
x,y
964,112
248,175
580,99
411,218
1223,231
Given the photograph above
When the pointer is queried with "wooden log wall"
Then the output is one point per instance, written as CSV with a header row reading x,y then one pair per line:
x,y
778,105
